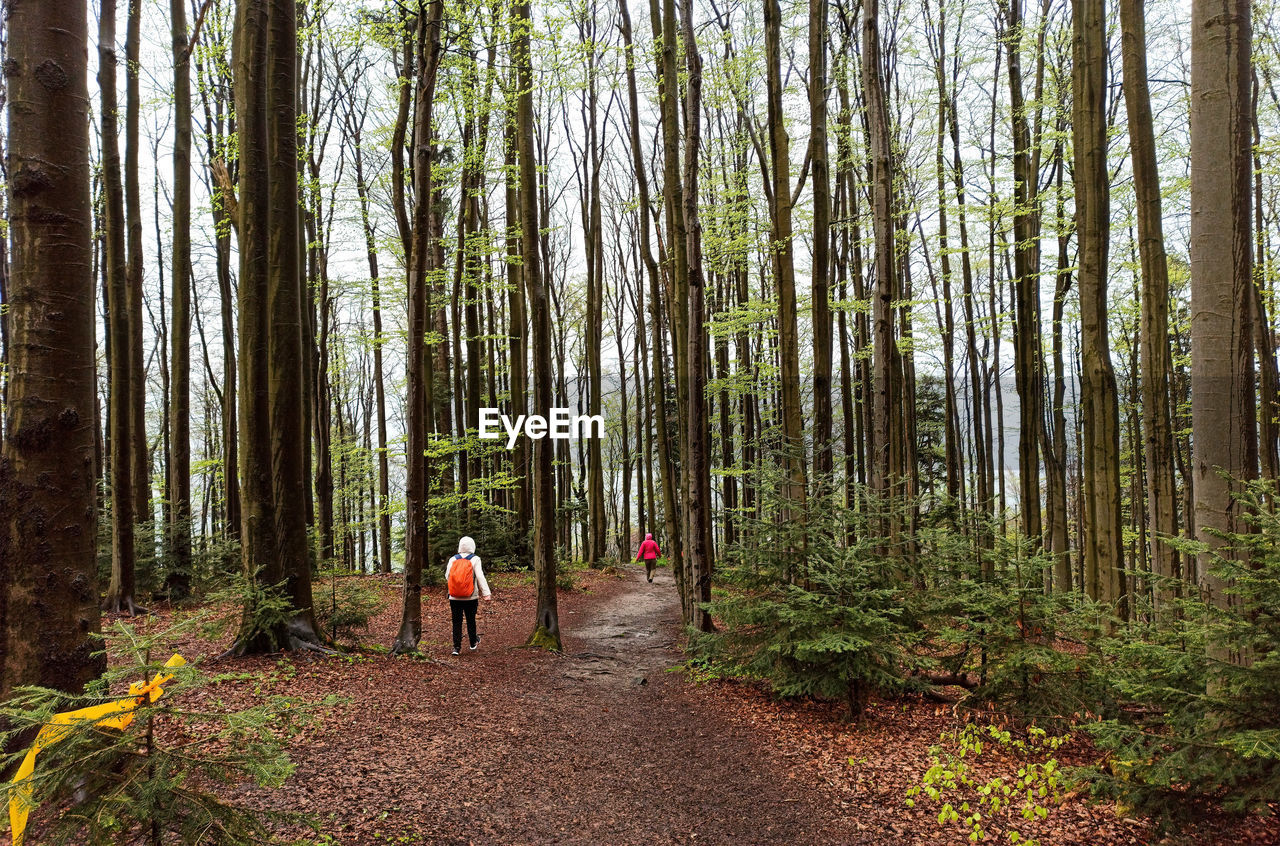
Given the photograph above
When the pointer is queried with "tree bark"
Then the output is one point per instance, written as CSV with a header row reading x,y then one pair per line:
x,y
1157,425
546,627
1223,404
794,486
421,259
1026,256
124,501
821,265
886,434
1104,539
179,579
669,497
49,615
137,384
699,557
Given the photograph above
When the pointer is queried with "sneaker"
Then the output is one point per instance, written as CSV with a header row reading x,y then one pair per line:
x,y
651,578
476,645
455,652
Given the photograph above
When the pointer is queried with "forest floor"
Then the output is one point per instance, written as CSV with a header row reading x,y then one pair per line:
x,y
610,743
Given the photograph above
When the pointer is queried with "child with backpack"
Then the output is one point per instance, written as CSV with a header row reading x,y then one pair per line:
x,y
467,584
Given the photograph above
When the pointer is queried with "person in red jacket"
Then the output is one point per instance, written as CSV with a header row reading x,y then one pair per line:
x,y
649,552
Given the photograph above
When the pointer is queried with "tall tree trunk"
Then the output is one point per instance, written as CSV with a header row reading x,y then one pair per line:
x,y
669,498
124,502
382,505
273,535
179,580
1157,424
886,433
1268,369
1026,256
1056,457
546,631
793,494
1223,422
421,259
287,304
676,267
1104,538
953,443
518,329
49,618
699,557
137,386
821,265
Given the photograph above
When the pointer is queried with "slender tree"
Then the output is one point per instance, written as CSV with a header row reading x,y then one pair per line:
x,y
421,259
179,461
546,625
886,443
784,271
140,457
1026,256
124,502
820,268
1104,541
700,556
1157,423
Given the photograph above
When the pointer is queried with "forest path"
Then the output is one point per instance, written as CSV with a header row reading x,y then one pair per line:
x,y
599,745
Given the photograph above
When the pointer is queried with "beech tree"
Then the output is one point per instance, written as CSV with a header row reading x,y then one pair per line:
x,y
1103,542
48,510
179,460
275,552
1157,423
546,629
421,258
1223,403
123,335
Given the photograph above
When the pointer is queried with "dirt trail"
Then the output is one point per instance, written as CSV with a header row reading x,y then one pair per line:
x,y
597,746
631,636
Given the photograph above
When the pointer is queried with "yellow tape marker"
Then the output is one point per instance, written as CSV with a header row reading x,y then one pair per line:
x,y
117,715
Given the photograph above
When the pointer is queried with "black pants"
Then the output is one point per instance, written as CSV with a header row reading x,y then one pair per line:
x,y
458,607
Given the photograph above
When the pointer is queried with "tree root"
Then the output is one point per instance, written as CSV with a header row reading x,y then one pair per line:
x,y
296,637
123,605
542,638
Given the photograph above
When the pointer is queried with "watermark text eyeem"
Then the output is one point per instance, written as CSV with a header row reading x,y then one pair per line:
x,y
562,424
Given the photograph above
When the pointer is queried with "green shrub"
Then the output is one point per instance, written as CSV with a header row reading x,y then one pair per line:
x,y
1026,780
345,605
567,576
986,620
829,623
258,611
1201,686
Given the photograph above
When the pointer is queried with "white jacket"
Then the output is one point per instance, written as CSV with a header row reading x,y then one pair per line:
x,y
477,571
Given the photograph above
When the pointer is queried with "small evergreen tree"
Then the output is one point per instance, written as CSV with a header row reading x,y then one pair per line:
x,y
1193,724
164,778
826,620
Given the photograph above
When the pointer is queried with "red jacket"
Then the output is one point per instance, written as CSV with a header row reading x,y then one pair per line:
x,y
648,550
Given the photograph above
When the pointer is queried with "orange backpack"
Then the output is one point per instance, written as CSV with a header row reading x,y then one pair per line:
x,y
462,579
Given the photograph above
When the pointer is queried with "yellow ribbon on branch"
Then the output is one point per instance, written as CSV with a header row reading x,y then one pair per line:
x,y
116,715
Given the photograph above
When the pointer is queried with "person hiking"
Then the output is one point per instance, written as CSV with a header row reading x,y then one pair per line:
x,y
650,552
467,584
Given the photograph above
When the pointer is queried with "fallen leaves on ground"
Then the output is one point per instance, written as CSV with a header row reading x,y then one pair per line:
x,y
599,745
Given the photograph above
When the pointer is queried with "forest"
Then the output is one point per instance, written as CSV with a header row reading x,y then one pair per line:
x,y
934,342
